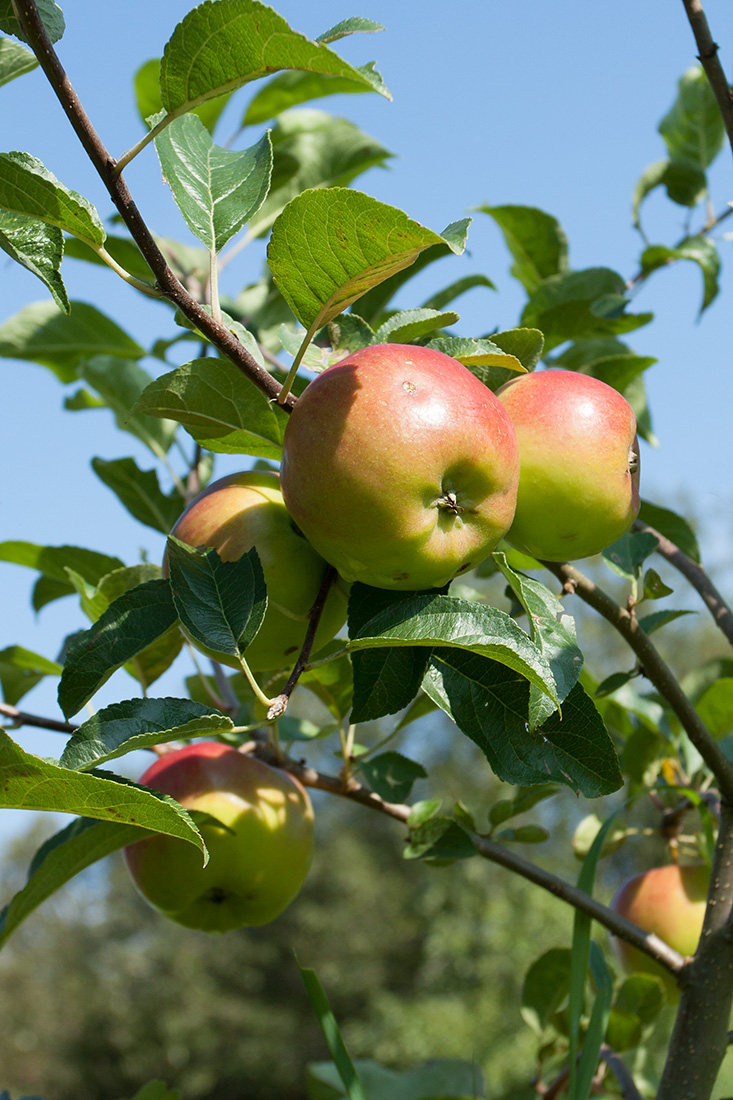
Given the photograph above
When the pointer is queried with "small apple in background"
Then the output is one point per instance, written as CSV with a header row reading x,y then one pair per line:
x,y
669,901
245,510
258,861
400,467
579,479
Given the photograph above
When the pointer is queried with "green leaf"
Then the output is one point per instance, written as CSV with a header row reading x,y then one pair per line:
x,y
219,407
384,680
28,782
332,1035
27,187
322,258
597,1024
684,181
525,344
133,621
217,190
156,1090
53,561
410,325
437,1079
456,289
429,620
15,60
524,834
21,670
657,619
672,526
536,241
545,988
313,149
552,631
220,603
219,47
489,704
483,358
700,250
715,707
40,333
654,586
38,247
139,491
441,839
139,724
120,382
51,16
580,304
391,775
290,89
693,129
147,96
348,333
627,555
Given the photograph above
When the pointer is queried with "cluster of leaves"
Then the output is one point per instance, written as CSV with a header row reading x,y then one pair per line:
x,y
336,260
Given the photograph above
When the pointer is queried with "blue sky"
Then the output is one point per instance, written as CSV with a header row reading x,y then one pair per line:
x,y
552,105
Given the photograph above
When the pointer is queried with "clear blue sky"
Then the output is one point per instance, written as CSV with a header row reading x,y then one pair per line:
x,y
553,105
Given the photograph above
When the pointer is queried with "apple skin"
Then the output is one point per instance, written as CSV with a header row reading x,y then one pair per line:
x,y
400,467
256,866
578,487
669,901
244,510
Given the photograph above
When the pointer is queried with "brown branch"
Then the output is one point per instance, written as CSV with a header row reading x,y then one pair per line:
x,y
280,703
708,58
621,1072
22,718
104,163
493,852
700,1037
698,578
654,668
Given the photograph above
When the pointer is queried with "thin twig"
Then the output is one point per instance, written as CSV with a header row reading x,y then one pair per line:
x,y
621,1072
654,668
495,853
105,165
281,701
698,578
22,718
708,58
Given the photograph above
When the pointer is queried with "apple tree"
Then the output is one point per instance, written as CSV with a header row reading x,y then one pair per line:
x,y
489,641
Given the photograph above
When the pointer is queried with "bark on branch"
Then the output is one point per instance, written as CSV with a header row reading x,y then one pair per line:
x,y
708,57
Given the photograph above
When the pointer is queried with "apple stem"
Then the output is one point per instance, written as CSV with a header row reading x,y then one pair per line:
x,y
258,692
279,705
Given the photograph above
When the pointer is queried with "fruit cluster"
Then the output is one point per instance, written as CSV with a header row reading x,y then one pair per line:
x,y
403,471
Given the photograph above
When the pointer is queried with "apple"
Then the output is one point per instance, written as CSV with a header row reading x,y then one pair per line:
x,y
245,510
669,901
259,856
579,481
400,467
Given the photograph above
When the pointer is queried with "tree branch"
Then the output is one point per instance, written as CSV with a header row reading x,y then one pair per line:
x,y
654,669
700,1037
708,58
493,852
22,718
698,578
104,163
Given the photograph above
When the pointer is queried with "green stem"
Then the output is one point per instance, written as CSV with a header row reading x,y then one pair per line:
x,y
138,284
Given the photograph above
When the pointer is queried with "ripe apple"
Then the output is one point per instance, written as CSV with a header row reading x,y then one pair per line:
x,y
259,856
400,467
669,901
579,479
245,510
